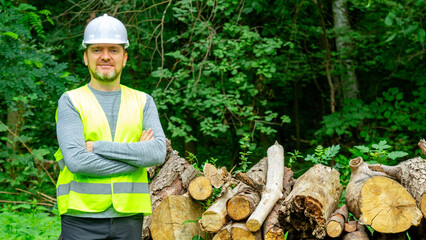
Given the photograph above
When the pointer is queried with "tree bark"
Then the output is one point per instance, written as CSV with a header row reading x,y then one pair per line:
x,y
171,219
412,176
314,197
273,189
336,224
344,48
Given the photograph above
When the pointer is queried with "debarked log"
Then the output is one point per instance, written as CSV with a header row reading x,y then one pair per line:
x,y
315,196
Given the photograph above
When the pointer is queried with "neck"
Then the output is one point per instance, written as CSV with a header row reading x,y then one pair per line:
x,y
105,86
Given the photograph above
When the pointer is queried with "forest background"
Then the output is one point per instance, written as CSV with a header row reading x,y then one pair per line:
x,y
328,80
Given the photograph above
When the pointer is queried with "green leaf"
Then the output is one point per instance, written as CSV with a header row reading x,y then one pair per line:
x,y
389,20
421,35
11,34
397,154
391,37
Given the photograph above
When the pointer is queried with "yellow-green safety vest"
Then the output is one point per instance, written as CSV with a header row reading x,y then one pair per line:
x,y
127,193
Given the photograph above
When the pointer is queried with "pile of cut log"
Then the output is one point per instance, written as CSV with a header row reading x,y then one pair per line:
x,y
267,203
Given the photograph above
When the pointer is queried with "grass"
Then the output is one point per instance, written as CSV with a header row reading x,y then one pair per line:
x,y
29,224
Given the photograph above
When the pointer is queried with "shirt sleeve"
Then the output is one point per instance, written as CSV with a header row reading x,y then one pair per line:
x,y
70,134
140,154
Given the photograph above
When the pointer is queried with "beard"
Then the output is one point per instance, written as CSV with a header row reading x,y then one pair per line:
x,y
106,77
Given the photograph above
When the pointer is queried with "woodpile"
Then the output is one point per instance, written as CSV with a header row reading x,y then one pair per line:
x,y
267,203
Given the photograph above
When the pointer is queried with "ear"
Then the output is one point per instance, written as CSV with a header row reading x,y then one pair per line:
x,y
86,62
125,59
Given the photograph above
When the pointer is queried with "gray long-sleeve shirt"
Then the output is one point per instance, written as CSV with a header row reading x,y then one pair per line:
x,y
108,158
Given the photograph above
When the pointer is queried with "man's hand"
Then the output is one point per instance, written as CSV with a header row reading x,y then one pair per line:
x,y
89,146
147,135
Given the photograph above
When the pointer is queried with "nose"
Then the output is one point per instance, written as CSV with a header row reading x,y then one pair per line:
x,y
105,55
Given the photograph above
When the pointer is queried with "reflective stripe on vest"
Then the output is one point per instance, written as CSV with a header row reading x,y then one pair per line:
x,y
127,193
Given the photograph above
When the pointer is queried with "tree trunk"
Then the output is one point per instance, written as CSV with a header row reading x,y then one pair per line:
x,y
314,197
273,189
336,224
344,48
200,188
412,176
172,219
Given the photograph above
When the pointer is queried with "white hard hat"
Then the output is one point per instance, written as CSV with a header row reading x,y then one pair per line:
x,y
105,29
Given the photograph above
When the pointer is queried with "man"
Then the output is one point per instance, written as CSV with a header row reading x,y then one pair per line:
x,y
108,134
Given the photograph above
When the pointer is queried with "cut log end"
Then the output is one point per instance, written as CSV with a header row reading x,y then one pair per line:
x,y
223,235
200,188
387,207
211,222
423,205
239,207
253,225
275,235
334,229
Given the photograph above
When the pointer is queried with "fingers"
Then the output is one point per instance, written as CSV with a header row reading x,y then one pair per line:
x,y
89,146
147,135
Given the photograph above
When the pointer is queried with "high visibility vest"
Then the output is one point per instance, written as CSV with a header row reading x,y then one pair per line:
x,y
127,193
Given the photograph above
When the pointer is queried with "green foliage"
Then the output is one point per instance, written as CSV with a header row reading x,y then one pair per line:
x,y
32,81
323,155
293,157
378,153
245,153
33,224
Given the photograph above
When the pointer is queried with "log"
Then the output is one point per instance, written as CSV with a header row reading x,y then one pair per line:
x,y
422,146
387,207
272,230
243,204
172,179
273,189
217,176
215,217
240,231
224,233
412,176
351,226
360,233
171,219
360,173
336,224
200,188
315,196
